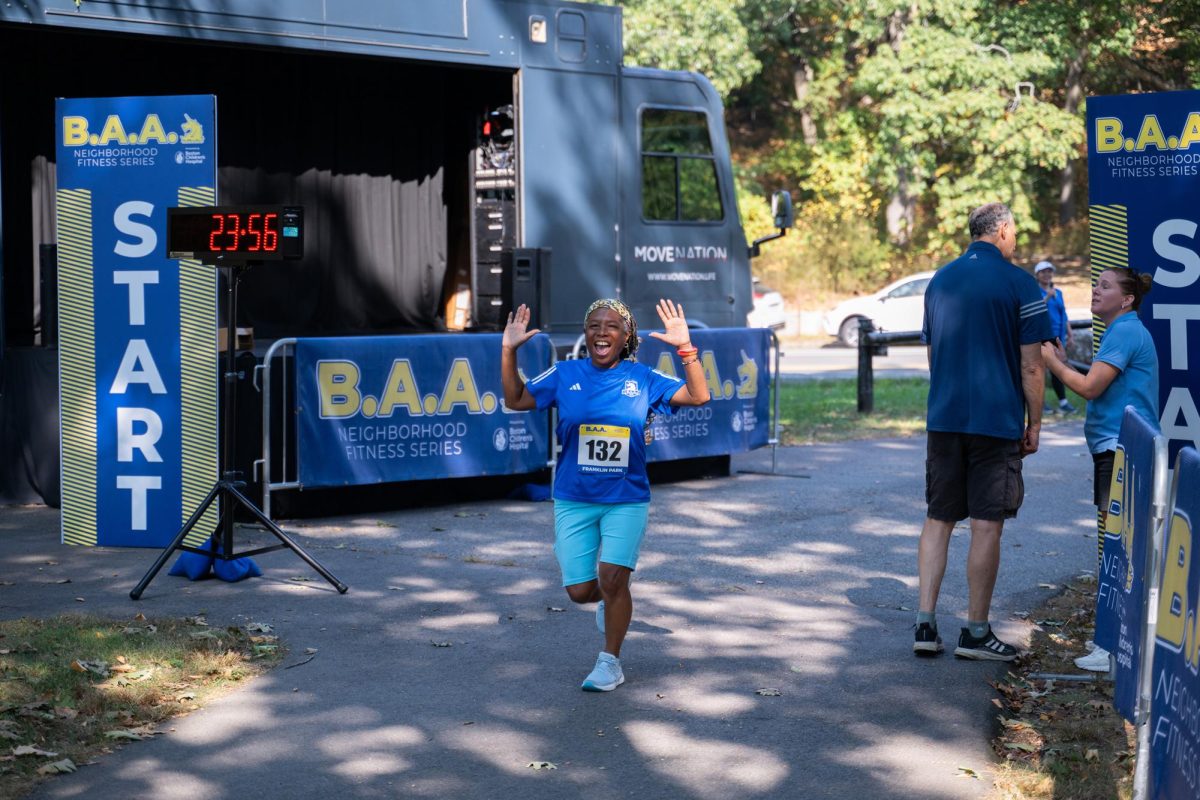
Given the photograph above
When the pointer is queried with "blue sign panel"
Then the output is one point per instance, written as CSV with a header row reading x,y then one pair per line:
x,y
1121,594
138,331
383,409
1143,178
1175,696
737,368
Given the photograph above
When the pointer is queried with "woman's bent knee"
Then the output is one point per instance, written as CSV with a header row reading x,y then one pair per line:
x,y
583,592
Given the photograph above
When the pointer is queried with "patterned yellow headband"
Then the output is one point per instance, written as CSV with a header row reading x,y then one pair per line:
x,y
631,344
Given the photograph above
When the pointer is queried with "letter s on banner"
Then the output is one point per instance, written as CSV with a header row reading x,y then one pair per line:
x,y
1187,257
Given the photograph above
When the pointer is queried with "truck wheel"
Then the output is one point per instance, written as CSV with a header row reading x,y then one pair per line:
x,y
848,333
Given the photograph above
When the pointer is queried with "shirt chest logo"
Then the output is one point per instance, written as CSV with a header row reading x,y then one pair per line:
x,y
631,389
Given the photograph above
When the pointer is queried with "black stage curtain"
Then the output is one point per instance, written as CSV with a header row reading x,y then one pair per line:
x,y
371,178
29,426
373,149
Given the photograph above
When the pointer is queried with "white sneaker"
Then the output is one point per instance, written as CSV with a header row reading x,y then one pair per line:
x,y
600,616
605,676
1095,661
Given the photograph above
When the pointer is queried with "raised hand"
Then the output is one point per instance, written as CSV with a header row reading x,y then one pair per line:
x,y
515,333
675,327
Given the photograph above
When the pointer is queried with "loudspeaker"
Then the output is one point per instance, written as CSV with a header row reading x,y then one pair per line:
x,y
525,279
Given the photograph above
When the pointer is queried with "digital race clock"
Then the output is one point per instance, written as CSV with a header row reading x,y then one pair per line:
x,y
215,234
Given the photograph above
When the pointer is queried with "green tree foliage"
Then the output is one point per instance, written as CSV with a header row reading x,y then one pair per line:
x,y
696,35
890,119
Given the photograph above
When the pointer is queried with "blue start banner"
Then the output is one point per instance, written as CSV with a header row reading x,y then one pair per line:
x,y
1175,698
737,368
383,409
1120,596
137,350
1143,179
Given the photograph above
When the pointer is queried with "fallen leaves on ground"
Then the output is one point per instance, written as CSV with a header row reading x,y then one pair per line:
x,y
57,767
1058,738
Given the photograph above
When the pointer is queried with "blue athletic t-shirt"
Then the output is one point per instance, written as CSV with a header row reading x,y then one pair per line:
x,y
1126,345
601,426
979,310
1058,314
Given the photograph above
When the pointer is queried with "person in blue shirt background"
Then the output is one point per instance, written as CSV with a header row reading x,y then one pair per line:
x,y
1059,326
601,489
985,320
1124,372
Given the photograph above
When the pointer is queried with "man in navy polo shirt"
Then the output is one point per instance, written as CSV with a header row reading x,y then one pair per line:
x,y
985,320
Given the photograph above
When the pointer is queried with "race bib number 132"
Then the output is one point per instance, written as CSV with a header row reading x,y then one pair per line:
x,y
603,446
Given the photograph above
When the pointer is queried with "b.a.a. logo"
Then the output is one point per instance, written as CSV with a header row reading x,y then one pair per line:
x,y
1110,136
1178,598
76,131
1119,521
338,385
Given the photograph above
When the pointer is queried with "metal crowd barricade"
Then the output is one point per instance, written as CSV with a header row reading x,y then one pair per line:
x,y
273,374
282,349
263,465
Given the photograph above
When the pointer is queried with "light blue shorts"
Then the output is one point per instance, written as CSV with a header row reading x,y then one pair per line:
x,y
583,530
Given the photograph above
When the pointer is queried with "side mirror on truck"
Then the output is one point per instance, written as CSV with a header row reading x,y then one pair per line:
x,y
785,217
781,210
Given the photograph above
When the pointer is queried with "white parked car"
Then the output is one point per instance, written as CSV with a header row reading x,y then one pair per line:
x,y
899,306
768,311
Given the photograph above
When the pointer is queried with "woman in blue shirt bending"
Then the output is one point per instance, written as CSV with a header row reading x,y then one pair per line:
x,y
601,489
1124,372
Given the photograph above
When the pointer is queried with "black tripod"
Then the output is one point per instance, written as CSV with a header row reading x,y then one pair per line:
x,y
228,488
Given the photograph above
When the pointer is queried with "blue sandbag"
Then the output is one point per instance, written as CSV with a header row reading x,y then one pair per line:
x,y
194,565
237,569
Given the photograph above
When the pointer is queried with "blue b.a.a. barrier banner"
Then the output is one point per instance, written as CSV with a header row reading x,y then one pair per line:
x,y
383,409
1143,179
736,367
1120,595
137,344
1175,692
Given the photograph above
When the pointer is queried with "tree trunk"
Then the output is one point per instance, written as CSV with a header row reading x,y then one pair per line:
x,y
901,210
1066,185
902,205
802,77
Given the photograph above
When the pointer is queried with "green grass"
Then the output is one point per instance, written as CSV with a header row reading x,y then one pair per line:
x,y
73,687
817,411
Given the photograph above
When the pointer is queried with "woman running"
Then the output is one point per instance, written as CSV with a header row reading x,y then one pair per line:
x,y
601,490
1123,373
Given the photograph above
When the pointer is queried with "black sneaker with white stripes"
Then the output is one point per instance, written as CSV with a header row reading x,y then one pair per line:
x,y
985,648
926,641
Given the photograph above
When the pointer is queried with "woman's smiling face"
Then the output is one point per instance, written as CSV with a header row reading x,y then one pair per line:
x,y
605,334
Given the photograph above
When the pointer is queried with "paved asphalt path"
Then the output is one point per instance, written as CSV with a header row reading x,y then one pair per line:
x,y
835,361
802,582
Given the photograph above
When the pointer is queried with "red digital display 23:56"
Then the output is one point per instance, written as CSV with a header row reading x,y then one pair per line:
x,y
235,233
244,233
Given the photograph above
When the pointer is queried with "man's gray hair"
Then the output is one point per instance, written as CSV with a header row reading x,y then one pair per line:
x,y
986,219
